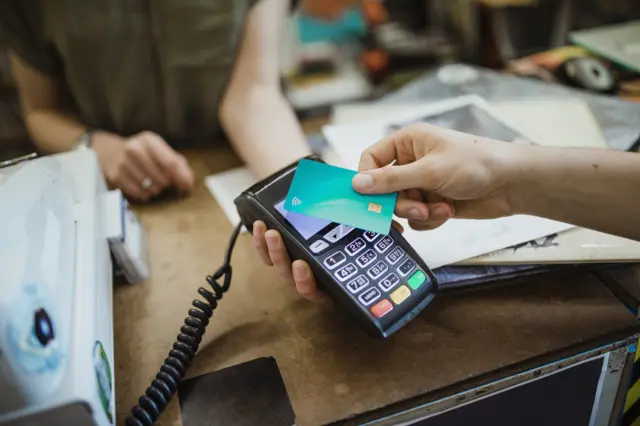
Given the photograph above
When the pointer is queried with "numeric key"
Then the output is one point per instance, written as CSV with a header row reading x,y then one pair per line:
x,y
389,282
335,260
384,244
357,284
377,270
366,258
395,255
346,272
370,236
355,246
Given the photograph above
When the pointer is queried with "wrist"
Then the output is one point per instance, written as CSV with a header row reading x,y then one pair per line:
x,y
539,176
84,140
109,148
104,141
521,188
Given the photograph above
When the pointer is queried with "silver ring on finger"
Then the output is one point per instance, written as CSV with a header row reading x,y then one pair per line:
x,y
146,183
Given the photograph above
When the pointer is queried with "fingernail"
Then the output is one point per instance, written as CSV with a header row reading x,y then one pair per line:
x,y
300,272
272,240
416,214
439,213
362,181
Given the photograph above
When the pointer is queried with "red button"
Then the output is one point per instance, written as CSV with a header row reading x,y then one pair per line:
x,y
381,308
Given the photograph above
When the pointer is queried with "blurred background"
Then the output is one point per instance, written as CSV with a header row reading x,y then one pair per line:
x,y
340,51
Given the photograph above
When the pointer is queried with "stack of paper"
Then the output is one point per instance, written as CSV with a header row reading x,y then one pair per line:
x,y
575,245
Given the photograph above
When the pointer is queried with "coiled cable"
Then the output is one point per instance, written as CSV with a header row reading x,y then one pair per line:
x,y
165,385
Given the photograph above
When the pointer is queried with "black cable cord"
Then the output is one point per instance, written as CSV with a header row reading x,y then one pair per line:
x,y
157,396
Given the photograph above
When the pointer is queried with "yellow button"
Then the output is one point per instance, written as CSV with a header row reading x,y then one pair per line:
x,y
400,295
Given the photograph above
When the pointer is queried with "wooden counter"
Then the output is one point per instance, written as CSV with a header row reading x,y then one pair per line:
x,y
332,370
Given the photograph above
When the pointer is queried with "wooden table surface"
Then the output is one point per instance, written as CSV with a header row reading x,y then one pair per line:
x,y
331,369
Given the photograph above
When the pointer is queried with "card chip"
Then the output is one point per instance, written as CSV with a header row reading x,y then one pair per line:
x,y
373,207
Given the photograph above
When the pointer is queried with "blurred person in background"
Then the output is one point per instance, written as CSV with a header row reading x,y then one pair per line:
x,y
136,80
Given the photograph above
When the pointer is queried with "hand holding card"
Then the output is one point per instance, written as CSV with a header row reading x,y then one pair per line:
x,y
326,192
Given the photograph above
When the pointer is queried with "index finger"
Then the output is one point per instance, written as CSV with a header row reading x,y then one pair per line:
x,y
394,148
378,155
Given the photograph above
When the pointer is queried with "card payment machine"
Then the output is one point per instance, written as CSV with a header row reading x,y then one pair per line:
x,y
380,279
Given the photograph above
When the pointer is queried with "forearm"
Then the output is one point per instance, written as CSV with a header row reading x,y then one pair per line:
x,y
263,130
591,188
49,127
53,131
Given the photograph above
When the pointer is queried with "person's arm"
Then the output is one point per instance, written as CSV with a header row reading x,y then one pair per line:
x,y
50,128
591,188
126,162
260,123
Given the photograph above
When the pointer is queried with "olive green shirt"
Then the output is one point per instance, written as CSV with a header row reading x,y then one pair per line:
x,y
132,65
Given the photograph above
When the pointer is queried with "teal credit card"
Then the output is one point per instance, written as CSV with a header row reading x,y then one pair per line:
x,y
323,191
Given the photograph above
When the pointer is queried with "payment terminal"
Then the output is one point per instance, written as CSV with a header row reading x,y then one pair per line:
x,y
379,278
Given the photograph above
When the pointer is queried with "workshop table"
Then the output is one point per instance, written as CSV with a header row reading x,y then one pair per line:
x,y
331,369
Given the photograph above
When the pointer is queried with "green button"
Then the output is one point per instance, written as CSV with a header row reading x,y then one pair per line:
x,y
417,279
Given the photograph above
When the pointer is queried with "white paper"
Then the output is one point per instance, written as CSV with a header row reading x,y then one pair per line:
x,y
552,122
355,112
458,239
348,141
226,186
575,245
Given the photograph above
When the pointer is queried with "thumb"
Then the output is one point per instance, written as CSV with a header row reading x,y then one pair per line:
x,y
183,174
393,179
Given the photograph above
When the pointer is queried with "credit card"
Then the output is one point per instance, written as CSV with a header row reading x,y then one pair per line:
x,y
324,191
